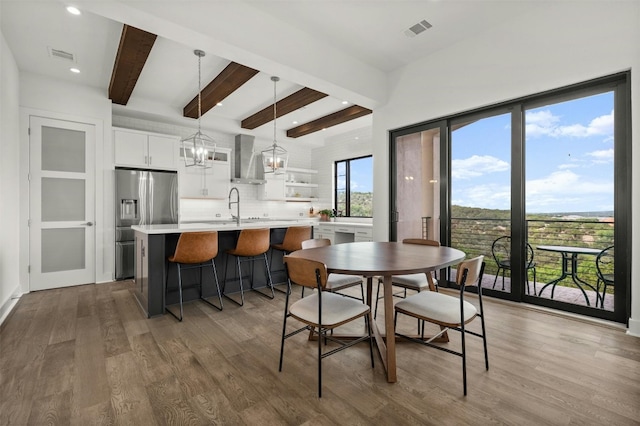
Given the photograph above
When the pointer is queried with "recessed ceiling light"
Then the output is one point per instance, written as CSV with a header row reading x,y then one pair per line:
x,y
357,138
345,102
73,10
74,70
219,104
324,129
295,122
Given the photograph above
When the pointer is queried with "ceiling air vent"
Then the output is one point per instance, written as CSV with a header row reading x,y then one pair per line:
x,y
55,53
418,28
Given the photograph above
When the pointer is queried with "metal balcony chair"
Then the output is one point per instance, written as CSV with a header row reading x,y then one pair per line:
x,y
293,238
501,252
335,282
323,311
605,272
415,282
450,312
252,245
195,250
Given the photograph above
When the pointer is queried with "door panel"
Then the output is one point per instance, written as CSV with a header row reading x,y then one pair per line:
x,y
415,198
62,203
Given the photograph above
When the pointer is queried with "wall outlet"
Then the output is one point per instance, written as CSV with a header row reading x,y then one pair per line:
x,y
300,214
265,214
218,215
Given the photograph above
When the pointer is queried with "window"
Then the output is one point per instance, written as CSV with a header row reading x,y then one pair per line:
x,y
354,187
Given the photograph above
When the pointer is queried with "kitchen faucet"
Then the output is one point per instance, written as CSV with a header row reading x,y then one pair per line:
x,y
237,203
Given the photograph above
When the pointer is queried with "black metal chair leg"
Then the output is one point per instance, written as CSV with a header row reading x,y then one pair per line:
x,y
375,312
215,277
241,303
179,293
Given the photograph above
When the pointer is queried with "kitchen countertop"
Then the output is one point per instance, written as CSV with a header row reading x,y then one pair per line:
x,y
221,225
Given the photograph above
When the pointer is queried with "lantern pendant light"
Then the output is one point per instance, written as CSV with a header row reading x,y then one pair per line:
x,y
275,159
198,150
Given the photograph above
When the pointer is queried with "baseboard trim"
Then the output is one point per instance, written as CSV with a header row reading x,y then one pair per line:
x,y
7,307
634,327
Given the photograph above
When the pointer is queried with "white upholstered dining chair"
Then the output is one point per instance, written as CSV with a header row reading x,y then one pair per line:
x,y
449,312
322,311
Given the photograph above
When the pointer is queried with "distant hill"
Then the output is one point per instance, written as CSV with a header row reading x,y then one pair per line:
x,y
461,212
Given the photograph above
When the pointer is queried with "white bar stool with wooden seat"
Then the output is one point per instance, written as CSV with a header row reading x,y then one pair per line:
x,y
293,238
195,250
252,245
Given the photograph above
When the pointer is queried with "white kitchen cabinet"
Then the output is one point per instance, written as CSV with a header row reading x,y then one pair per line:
x,y
273,188
214,182
142,149
324,231
363,234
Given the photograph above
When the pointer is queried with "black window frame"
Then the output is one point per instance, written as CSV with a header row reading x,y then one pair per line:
x,y
347,211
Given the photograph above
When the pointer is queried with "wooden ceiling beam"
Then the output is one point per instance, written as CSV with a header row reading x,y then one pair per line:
x,y
133,51
347,114
228,81
301,98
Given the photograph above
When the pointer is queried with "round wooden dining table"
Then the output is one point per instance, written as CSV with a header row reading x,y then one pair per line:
x,y
384,259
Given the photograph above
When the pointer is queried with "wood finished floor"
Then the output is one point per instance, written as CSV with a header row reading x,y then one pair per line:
x,y
86,355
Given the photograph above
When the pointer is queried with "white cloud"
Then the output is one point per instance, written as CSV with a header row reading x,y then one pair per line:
x,y
567,185
477,165
560,191
544,123
489,196
602,156
568,166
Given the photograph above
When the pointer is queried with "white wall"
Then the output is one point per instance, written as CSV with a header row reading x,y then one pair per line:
x,y
61,100
568,42
9,179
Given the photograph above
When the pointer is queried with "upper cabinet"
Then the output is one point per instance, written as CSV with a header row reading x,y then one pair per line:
x,y
148,150
214,182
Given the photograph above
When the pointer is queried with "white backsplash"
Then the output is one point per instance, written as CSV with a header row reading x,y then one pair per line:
x,y
201,209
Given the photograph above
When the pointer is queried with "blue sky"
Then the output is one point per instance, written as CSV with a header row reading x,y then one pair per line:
x,y
569,158
362,175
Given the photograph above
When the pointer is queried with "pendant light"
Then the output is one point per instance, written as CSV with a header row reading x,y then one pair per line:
x,y
274,159
198,150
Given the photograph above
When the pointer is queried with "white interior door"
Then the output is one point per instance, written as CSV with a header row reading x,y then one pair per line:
x,y
62,203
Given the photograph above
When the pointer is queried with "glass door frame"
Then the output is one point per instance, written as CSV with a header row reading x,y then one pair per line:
x,y
619,83
393,170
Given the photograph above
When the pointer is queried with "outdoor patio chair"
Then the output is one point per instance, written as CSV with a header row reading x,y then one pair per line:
x,y
501,252
604,266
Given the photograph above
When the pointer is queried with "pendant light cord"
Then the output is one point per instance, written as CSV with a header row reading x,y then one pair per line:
x,y
199,91
275,114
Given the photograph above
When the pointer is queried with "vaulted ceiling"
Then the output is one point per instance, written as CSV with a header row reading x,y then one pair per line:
x,y
333,58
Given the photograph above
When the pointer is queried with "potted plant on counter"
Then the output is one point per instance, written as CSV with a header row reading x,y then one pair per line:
x,y
325,215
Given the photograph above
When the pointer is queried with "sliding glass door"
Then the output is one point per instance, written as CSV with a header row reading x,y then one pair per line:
x,y
570,210
480,215
540,186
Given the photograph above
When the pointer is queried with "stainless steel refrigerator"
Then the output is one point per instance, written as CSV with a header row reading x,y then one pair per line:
x,y
142,198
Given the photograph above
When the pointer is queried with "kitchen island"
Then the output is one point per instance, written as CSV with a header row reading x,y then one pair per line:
x,y
154,243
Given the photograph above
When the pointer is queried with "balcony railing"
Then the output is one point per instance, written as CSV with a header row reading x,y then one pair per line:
x,y
475,237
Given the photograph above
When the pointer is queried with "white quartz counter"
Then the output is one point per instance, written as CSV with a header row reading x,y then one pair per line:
x,y
221,226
